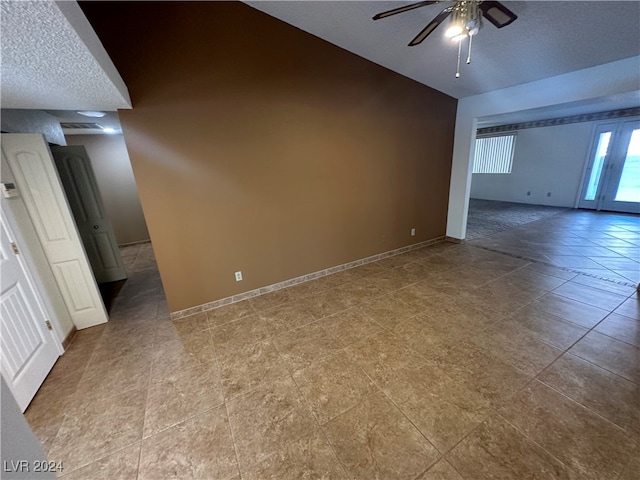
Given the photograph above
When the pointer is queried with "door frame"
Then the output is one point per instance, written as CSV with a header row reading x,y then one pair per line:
x,y
611,168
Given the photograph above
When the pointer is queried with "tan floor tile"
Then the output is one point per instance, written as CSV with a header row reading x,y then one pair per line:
x,y
333,385
285,317
549,270
442,470
457,316
632,470
607,394
534,281
390,280
306,289
182,394
382,355
612,287
327,303
630,308
266,419
453,348
171,356
497,450
305,345
484,374
361,291
590,445
192,323
545,326
350,326
418,295
99,427
444,410
464,276
309,457
119,346
591,296
121,465
516,347
49,406
245,368
499,299
389,310
622,328
273,299
364,270
119,375
570,310
229,313
199,448
610,354
375,441
413,273
239,333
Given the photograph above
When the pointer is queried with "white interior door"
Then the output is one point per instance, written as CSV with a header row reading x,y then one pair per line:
x,y
30,161
29,349
83,195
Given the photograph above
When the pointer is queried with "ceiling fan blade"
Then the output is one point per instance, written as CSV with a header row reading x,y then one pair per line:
x,y
497,13
426,31
403,9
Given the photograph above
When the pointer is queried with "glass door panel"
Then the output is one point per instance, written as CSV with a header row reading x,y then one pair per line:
x,y
612,177
622,193
597,166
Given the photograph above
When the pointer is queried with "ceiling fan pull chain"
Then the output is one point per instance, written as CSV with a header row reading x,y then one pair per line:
x,y
458,69
469,56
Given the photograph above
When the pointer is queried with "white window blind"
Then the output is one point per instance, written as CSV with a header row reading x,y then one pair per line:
x,y
494,154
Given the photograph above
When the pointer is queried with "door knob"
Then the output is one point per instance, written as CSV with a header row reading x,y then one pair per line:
x,y
95,227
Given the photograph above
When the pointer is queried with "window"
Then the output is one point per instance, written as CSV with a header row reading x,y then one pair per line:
x,y
494,154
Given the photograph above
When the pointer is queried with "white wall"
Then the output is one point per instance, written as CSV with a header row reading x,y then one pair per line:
x,y
112,167
546,160
603,81
19,444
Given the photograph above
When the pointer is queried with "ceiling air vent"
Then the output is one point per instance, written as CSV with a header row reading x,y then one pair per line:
x,y
81,126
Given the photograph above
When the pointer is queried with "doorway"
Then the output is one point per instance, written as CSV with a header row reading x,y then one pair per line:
x,y
612,176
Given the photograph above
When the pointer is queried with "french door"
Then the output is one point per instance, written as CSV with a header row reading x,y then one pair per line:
x,y
612,180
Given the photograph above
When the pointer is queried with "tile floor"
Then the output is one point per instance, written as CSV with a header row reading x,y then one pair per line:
x,y
450,362
487,217
601,244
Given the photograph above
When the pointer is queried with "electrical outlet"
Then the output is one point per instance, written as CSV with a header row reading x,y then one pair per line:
x,y
413,232
528,193
548,194
238,276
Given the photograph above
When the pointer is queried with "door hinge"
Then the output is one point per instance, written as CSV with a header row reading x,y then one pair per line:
x,y
14,247
48,324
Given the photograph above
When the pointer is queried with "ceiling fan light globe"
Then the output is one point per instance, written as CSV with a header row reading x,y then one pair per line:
x,y
473,31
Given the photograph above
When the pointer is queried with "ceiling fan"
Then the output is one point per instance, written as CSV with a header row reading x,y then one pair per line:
x,y
466,20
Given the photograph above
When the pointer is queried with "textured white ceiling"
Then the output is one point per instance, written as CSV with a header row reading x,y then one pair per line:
x,y
549,38
52,59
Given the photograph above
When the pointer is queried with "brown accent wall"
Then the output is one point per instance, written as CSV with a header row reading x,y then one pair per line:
x,y
261,148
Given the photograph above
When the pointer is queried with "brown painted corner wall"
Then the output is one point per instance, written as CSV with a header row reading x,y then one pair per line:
x,y
260,148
